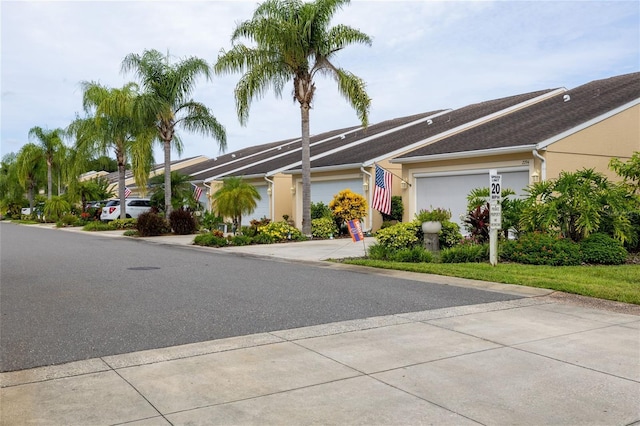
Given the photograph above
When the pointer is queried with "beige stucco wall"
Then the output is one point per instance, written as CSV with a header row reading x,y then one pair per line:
x,y
593,147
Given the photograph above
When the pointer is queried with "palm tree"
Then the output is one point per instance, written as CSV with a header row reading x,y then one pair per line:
x,y
181,190
167,103
11,192
31,168
294,42
235,198
51,143
112,124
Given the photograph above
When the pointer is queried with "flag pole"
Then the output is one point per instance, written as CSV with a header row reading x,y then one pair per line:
x,y
392,174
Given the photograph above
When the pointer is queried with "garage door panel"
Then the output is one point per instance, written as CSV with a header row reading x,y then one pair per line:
x,y
450,192
326,190
262,209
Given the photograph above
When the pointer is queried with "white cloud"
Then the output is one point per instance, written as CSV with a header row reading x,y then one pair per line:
x,y
426,55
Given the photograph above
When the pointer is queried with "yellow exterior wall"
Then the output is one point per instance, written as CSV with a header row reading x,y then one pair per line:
x,y
595,146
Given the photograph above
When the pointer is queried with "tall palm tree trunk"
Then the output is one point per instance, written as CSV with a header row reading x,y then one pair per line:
x,y
121,182
167,178
49,180
306,171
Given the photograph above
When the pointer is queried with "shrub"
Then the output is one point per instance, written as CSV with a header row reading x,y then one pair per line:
x,y
414,254
130,233
264,239
69,219
323,227
320,210
449,235
280,231
210,240
397,210
182,222
241,240
347,205
129,223
379,252
542,249
151,224
399,236
210,221
98,226
466,253
602,249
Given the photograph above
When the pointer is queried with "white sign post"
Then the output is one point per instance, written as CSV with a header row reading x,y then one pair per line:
x,y
495,214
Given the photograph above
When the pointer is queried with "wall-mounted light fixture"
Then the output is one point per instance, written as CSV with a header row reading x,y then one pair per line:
x,y
365,186
269,191
403,184
293,190
535,176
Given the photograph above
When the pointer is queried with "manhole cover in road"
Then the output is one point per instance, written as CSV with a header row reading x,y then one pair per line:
x,y
143,268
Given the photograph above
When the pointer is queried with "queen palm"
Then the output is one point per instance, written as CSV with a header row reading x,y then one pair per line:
x,y
51,143
294,42
168,104
112,124
234,198
31,167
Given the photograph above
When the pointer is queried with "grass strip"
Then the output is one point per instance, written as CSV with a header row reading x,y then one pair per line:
x,y
618,283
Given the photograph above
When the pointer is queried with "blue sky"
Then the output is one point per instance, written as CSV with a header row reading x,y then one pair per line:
x,y
426,55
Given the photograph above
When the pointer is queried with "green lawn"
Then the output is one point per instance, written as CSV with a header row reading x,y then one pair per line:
x,y
619,283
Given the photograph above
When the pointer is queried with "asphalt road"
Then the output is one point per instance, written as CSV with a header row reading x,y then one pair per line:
x,y
70,296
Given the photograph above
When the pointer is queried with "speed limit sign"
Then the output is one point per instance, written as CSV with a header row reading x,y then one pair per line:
x,y
495,187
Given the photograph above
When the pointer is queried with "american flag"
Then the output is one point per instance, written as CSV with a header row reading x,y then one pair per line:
x,y
197,192
127,192
382,192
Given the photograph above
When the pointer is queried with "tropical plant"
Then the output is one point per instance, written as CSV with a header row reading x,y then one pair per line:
x,y
167,103
292,40
31,168
601,249
320,210
397,210
92,189
11,192
628,170
235,198
477,223
399,236
51,143
112,124
280,231
511,207
55,207
435,215
181,191
578,204
347,205
465,253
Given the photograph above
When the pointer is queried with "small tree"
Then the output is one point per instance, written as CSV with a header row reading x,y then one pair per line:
x,y
347,205
235,198
181,191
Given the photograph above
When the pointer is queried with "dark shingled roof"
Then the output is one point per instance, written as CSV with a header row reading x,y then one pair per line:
x,y
542,120
330,141
209,167
386,144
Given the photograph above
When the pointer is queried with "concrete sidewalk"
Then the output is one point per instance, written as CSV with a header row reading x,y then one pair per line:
x,y
535,360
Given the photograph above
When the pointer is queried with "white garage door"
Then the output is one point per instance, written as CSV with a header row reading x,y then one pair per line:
x,y
450,192
262,210
326,190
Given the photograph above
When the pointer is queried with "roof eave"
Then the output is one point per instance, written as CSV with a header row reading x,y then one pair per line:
x,y
465,154
325,169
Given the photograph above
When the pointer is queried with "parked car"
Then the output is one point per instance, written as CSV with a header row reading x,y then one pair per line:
x,y
134,208
37,209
